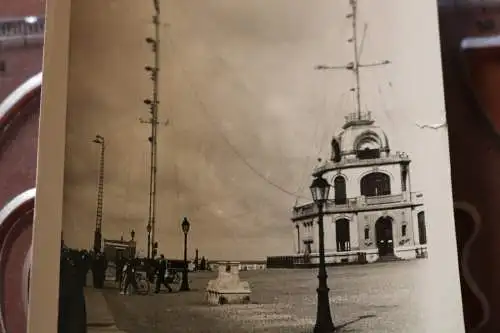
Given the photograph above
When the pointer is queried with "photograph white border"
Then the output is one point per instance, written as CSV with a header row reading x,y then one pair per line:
x,y
44,280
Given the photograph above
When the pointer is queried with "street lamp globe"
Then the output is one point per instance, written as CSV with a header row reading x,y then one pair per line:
x,y
185,225
320,188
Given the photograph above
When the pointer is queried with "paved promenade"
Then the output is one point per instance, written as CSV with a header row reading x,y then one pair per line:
x,y
369,298
99,317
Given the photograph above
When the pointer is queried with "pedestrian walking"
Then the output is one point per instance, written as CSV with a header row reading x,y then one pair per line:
x,y
119,263
162,274
130,280
203,263
81,266
99,266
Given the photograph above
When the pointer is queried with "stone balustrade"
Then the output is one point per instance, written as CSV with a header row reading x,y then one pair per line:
x,y
360,203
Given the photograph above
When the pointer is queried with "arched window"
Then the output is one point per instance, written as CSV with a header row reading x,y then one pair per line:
x,y
343,235
367,232
335,151
422,231
375,183
368,148
340,190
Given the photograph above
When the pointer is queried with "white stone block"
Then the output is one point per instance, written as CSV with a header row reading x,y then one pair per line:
x,y
228,288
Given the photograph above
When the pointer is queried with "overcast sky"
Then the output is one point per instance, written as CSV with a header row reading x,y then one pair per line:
x,y
248,114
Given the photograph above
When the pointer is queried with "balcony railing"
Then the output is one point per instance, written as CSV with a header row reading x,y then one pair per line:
x,y
22,31
355,118
360,203
350,162
384,199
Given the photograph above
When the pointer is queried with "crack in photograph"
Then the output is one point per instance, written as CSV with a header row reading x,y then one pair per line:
x,y
257,166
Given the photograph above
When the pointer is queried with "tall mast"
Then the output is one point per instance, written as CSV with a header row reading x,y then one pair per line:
x,y
354,41
153,122
355,65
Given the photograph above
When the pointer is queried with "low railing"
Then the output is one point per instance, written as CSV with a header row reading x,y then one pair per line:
x,y
286,261
305,210
22,31
360,203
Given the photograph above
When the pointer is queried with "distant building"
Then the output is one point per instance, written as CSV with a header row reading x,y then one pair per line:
x,y
113,247
372,212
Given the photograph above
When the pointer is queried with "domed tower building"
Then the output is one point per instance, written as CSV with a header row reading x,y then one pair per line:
x,y
372,213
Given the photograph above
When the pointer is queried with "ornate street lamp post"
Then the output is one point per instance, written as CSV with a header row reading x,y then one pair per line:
x,y
185,229
320,189
100,192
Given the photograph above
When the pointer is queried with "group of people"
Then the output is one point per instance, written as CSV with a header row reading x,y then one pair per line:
x,y
74,268
202,266
156,271
72,311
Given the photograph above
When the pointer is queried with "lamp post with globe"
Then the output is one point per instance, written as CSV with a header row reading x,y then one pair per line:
x,y
320,189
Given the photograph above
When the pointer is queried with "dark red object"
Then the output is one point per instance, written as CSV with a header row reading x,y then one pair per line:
x,y
471,67
16,235
19,114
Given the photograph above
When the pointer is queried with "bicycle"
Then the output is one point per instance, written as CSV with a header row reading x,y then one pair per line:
x,y
142,282
173,277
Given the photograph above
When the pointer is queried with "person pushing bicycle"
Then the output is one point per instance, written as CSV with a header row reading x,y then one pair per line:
x,y
129,270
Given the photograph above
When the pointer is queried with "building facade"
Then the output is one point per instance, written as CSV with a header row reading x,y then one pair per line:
x,y
372,213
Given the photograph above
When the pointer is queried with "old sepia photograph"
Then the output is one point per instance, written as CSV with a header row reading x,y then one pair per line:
x,y
257,166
